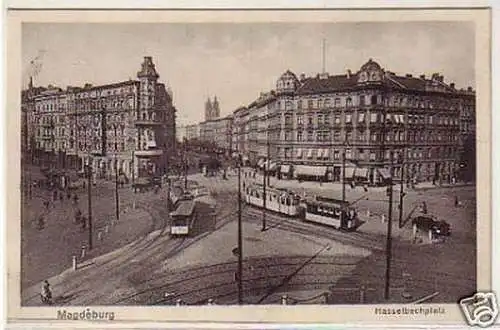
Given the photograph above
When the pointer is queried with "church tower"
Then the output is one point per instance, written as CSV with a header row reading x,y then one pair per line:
x,y
208,109
216,109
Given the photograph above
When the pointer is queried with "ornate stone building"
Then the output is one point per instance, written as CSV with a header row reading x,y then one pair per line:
x,y
374,117
212,109
218,131
130,124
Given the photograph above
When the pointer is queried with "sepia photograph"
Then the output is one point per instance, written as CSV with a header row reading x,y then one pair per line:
x,y
258,163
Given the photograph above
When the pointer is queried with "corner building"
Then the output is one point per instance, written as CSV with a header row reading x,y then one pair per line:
x,y
377,119
130,124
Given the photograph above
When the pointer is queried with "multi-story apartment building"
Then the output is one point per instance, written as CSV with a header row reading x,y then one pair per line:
x,y
377,119
218,131
127,126
192,131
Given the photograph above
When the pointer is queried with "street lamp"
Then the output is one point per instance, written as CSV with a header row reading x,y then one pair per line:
x,y
240,239
117,198
88,172
265,182
401,193
343,165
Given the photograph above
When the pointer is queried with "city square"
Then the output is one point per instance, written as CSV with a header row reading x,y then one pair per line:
x,y
355,186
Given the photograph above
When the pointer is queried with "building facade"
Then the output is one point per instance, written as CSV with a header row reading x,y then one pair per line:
x,y
219,131
375,118
192,132
127,126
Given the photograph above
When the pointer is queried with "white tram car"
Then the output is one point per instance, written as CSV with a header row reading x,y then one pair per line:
x,y
331,212
278,200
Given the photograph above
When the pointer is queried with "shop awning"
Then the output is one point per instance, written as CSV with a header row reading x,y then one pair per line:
x,y
349,172
361,172
384,173
285,169
310,170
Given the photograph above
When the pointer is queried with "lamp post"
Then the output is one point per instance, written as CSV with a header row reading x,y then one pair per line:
x,y
88,169
240,240
389,233
117,198
346,144
265,182
401,186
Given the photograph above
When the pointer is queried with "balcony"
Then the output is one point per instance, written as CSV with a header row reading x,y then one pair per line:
x,y
148,153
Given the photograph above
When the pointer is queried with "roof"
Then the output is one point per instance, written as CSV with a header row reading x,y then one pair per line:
x,y
184,208
317,85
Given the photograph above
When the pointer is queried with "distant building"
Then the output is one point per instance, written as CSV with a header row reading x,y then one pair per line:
x,y
193,131
218,131
131,123
181,133
373,116
212,109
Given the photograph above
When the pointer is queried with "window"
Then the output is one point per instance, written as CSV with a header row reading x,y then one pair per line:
x,y
373,117
336,155
310,135
362,100
348,154
361,135
348,118
310,104
337,119
300,119
348,102
336,136
310,120
327,103
288,120
299,104
374,137
361,117
327,119
320,119
337,102
374,99
299,135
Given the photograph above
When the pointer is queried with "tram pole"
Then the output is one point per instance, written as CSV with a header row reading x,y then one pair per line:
x,y
117,197
401,186
264,196
240,242
389,234
89,193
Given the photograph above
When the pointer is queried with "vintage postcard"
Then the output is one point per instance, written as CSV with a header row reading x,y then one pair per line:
x,y
319,166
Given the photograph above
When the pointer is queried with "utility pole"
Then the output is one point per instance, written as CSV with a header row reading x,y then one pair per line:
x,y
185,166
389,234
264,195
343,166
89,196
240,242
117,198
401,193
268,167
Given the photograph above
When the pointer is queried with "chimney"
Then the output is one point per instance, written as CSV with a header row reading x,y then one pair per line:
x,y
422,76
349,73
409,75
452,85
302,77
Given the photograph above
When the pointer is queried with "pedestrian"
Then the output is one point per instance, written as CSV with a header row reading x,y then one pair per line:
x,y
46,293
46,204
41,222
456,201
61,196
453,180
424,207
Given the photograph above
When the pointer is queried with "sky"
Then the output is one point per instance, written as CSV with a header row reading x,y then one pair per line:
x,y
238,61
